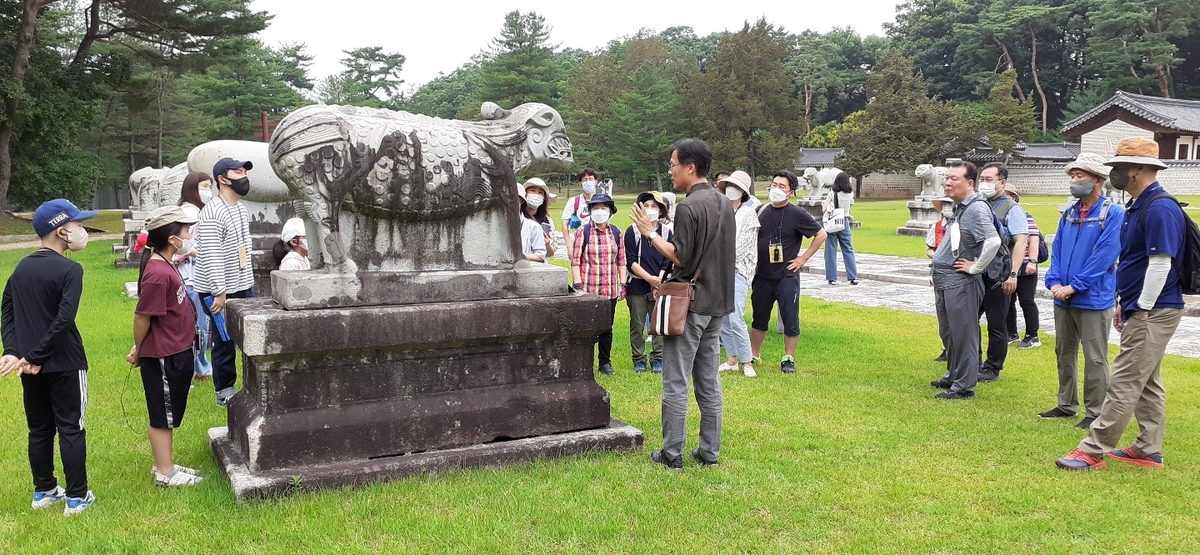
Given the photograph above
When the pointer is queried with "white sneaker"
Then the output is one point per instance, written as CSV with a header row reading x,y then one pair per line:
x,y
177,478
43,499
76,505
748,370
180,468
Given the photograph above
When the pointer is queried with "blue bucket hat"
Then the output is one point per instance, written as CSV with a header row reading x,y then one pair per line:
x,y
603,199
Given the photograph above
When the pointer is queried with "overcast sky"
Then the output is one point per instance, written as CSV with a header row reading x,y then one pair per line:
x,y
437,37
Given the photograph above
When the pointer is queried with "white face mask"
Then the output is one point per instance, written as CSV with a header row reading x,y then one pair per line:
x,y
777,195
652,215
534,200
987,189
206,196
600,216
304,243
186,247
948,210
733,193
77,239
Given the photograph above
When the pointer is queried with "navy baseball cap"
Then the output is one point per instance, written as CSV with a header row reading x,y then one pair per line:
x,y
54,214
225,164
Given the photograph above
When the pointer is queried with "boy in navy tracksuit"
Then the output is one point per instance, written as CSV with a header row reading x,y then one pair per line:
x,y
43,346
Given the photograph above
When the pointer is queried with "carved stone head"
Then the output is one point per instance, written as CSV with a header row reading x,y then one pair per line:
x,y
544,146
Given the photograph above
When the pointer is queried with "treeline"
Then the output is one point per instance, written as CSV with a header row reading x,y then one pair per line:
x,y
99,88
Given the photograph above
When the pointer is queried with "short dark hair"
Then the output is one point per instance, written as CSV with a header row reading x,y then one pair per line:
x,y
1001,169
793,181
723,174
841,183
693,151
971,172
586,172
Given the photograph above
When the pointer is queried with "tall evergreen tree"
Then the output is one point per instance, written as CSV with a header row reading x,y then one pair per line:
x,y
523,68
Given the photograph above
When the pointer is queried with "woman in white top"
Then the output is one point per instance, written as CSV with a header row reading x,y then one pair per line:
x,y
196,192
735,338
533,237
536,208
291,250
843,199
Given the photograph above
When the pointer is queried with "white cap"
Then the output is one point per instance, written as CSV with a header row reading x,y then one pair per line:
x,y
292,229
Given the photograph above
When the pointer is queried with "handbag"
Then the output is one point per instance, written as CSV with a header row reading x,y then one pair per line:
x,y
836,222
674,298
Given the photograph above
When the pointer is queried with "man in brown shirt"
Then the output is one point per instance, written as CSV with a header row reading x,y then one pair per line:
x,y
703,249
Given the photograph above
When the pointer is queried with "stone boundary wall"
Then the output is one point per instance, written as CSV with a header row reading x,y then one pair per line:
x,y
1180,178
890,186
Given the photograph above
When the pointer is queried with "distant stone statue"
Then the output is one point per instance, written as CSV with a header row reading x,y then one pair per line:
x,y
144,185
399,191
931,180
821,181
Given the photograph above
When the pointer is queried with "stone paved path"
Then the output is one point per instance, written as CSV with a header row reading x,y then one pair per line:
x,y
902,284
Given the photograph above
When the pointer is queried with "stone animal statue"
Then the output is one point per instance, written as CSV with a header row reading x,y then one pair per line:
x,y
144,185
821,180
415,180
931,180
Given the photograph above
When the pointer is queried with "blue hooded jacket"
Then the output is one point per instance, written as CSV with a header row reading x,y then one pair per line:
x,y
1084,256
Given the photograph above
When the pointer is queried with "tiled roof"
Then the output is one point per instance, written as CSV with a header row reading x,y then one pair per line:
x,y
1048,151
824,157
984,154
1172,113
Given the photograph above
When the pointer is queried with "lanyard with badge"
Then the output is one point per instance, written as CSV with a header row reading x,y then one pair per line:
x,y
775,248
243,259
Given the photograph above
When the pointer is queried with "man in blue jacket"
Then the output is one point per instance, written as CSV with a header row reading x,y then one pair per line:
x,y
1082,277
1150,299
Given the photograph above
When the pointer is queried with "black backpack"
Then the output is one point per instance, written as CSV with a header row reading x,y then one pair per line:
x,y
1187,265
997,271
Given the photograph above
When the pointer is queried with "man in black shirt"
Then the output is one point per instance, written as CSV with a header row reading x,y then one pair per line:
x,y
43,346
777,276
703,250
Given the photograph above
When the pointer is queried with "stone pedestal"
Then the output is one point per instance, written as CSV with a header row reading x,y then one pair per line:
x,y
921,217
344,396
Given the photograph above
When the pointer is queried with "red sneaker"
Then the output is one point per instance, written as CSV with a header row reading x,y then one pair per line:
x,y
1128,455
1078,460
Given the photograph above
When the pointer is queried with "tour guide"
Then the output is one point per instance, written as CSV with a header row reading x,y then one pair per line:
x,y
696,354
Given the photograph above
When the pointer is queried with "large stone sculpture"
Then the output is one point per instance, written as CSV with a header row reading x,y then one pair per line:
x,y
394,170
922,216
423,341
820,181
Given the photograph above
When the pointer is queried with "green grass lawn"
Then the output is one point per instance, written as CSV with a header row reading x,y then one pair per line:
x,y
850,455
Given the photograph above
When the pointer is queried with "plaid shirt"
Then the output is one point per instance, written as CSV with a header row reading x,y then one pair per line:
x,y
599,261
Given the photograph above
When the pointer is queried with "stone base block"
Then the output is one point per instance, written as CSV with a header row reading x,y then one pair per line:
x,y
318,289
912,231
248,484
122,264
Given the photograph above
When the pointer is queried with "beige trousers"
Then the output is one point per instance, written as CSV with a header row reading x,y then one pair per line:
x,y
1135,387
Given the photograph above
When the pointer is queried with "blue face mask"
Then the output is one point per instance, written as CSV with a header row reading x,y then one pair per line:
x,y
589,187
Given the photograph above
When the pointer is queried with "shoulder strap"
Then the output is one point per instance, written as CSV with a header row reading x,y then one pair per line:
x,y
1142,216
761,208
711,242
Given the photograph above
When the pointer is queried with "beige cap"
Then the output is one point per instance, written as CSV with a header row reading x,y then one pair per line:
x,y
1091,163
164,215
740,179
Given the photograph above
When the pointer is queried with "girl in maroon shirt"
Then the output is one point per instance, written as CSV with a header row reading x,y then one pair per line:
x,y
164,330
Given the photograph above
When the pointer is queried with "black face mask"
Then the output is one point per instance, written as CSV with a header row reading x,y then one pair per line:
x,y
1119,179
240,186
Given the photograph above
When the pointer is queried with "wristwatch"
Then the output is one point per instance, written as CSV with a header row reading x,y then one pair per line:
x,y
1012,274
653,235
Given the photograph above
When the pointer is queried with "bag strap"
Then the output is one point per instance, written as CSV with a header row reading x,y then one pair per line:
x,y
720,223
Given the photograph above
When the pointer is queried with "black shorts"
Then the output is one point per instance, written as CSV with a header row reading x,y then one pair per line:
x,y
167,381
766,293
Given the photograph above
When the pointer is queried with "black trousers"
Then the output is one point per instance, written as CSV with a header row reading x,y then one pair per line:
x,y
995,306
1026,293
224,353
605,339
56,402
